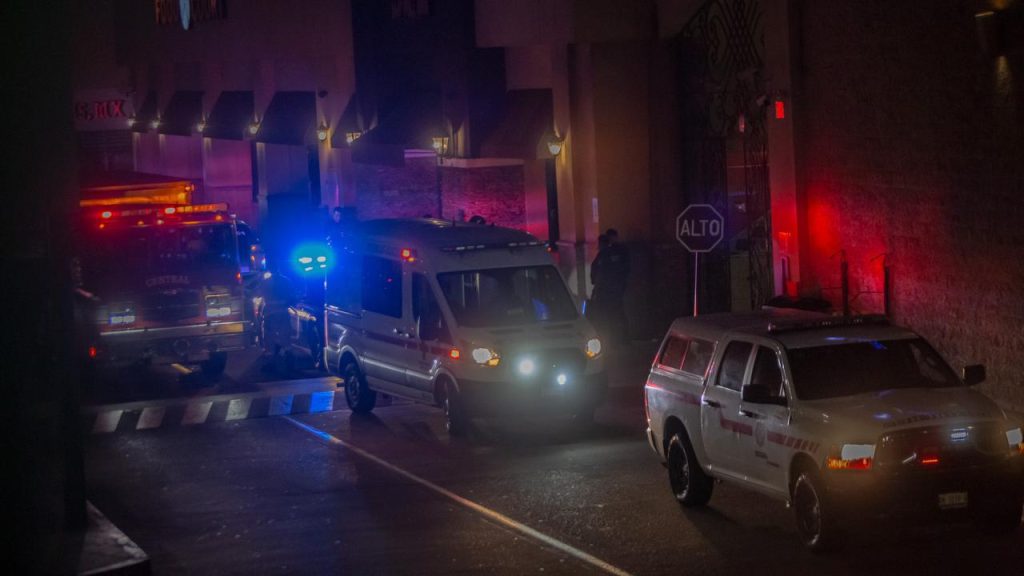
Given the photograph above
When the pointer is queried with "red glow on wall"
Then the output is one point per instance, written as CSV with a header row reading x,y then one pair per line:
x,y
780,109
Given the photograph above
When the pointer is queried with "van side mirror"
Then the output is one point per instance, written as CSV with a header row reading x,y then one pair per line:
x,y
754,394
973,374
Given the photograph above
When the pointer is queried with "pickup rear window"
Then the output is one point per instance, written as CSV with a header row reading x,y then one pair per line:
x,y
689,355
861,367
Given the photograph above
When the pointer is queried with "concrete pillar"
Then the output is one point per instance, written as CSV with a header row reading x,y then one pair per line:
x,y
787,205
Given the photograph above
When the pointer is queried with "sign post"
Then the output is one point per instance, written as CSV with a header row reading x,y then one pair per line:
x,y
699,228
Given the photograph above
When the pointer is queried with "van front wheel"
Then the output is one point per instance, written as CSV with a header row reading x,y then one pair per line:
x,y
358,395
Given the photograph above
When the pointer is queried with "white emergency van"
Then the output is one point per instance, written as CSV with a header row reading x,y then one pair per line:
x,y
473,318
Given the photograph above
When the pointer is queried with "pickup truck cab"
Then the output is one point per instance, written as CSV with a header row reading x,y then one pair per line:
x,y
841,418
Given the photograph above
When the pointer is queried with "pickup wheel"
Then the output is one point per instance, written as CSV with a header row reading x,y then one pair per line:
x,y
816,519
691,486
358,395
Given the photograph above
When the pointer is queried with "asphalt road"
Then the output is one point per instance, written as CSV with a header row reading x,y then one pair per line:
x,y
392,493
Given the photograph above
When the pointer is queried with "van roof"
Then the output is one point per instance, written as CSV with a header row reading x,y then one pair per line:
x,y
432,233
793,328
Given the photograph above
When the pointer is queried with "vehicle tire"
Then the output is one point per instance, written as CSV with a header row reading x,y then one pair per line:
x,y
358,395
691,486
1000,520
213,367
455,420
317,348
816,519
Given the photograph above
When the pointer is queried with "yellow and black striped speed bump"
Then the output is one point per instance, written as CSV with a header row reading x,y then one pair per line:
x,y
192,411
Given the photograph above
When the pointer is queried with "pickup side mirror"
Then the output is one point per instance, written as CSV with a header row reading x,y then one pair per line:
x,y
973,374
761,395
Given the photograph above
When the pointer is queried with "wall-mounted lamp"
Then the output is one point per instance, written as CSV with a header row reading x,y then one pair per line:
x,y
201,126
351,137
321,131
440,144
155,123
555,145
254,126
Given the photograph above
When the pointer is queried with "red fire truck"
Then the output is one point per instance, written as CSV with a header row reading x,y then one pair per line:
x,y
161,282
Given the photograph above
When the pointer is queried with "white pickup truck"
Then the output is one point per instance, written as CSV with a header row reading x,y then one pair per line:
x,y
841,418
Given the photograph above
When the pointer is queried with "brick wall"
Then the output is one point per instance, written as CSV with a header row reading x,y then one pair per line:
x,y
410,191
911,142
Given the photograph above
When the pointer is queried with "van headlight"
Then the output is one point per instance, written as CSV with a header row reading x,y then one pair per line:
x,y
218,305
1016,441
486,356
593,348
122,315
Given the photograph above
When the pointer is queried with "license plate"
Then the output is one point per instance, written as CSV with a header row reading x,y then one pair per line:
x,y
953,500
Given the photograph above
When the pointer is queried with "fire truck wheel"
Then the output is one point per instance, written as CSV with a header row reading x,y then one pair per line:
x,y
213,367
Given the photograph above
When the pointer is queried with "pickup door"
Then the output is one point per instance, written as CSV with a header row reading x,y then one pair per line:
x,y
726,434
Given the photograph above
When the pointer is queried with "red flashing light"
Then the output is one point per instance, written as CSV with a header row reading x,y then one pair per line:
x,y
238,277
930,461
102,226
408,255
106,214
454,354
92,351
780,109
218,217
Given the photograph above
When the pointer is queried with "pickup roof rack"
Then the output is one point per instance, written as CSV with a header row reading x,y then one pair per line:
x,y
778,326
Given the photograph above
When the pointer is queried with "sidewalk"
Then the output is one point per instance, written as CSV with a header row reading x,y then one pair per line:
x,y
103,549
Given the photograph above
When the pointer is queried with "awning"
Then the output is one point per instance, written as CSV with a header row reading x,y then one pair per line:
x,y
146,113
411,125
182,113
231,115
290,119
352,120
525,122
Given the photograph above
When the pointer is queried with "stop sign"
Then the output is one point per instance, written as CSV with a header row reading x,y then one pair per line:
x,y
699,228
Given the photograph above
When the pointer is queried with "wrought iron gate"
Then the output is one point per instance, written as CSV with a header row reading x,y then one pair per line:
x,y
724,107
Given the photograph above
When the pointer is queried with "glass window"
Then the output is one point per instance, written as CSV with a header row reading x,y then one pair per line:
x,y
698,356
767,371
382,286
672,354
860,367
345,282
427,312
507,296
734,364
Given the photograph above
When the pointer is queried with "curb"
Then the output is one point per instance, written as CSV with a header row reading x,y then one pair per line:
x,y
226,408
107,550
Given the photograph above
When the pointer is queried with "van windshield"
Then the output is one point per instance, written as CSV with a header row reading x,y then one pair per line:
x,y
860,367
507,296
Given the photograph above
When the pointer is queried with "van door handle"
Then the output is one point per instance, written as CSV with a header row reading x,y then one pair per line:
x,y
401,333
711,403
750,414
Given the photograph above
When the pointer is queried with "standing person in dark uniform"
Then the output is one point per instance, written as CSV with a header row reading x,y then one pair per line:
x,y
614,277
596,307
335,226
